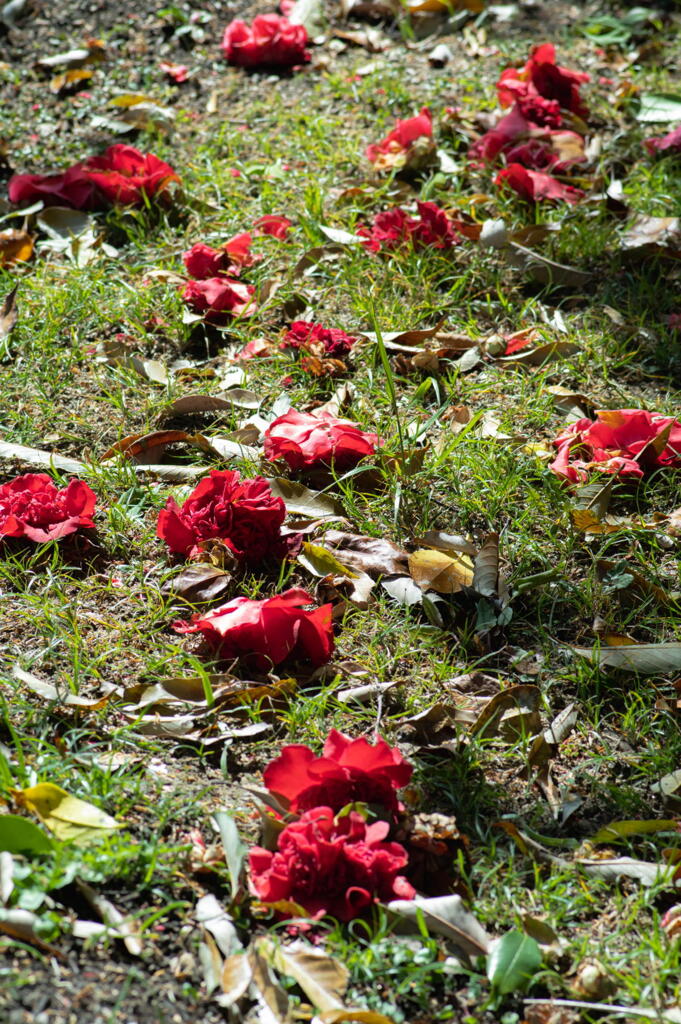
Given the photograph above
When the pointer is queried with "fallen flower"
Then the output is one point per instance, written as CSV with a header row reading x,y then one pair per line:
x,y
536,148
268,632
349,771
410,144
670,143
125,175
304,440
542,77
533,186
218,298
627,442
318,340
339,867
71,188
242,513
178,72
203,262
270,41
273,224
394,228
33,506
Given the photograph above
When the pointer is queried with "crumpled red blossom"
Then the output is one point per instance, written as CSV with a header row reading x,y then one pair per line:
x,y
202,261
242,513
122,174
409,144
319,340
349,771
33,506
266,633
629,442
303,440
534,186
670,143
394,228
536,148
339,867
271,41
542,77
218,298
273,224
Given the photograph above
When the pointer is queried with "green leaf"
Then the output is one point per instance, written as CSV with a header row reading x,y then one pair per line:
x,y
235,850
19,835
512,962
631,827
659,106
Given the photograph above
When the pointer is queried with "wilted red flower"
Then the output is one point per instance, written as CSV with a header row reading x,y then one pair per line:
x,y
331,866
124,175
273,224
304,440
540,111
267,632
535,186
393,228
270,41
670,143
409,144
319,340
628,442
541,76
33,506
220,297
73,187
349,771
203,262
178,72
522,142
242,513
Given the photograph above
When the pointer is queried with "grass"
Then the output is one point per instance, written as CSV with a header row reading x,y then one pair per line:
x,y
91,614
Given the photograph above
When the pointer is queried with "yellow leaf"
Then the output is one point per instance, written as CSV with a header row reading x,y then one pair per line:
x,y
65,815
435,570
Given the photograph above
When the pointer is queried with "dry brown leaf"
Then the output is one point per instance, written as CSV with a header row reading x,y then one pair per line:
x,y
15,247
434,570
198,583
70,80
658,232
143,448
372,555
8,313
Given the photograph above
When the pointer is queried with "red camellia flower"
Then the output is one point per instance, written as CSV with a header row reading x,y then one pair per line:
x,y
670,143
339,867
178,72
534,186
273,224
124,175
394,228
270,42
304,440
628,442
71,188
320,340
243,513
541,76
349,771
267,632
409,144
219,298
522,142
33,506
203,262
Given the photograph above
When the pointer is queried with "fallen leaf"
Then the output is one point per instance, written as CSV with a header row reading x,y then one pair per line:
x,y
321,562
645,659
322,978
23,925
49,692
236,852
94,54
443,915
68,80
239,397
69,817
300,500
142,448
198,582
623,829
435,570
15,247
659,232
8,313
19,835
374,556
512,962
449,543
214,918
654,107
126,928
542,269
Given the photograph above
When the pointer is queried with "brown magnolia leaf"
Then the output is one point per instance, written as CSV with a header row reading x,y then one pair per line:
x,y
70,80
37,458
188,404
434,570
406,339
144,447
300,500
370,39
372,555
450,543
524,696
486,567
49,692
542,269
545,746
15,247
443,915
8,313
644,659
197,583
322,978
658,232
541,354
